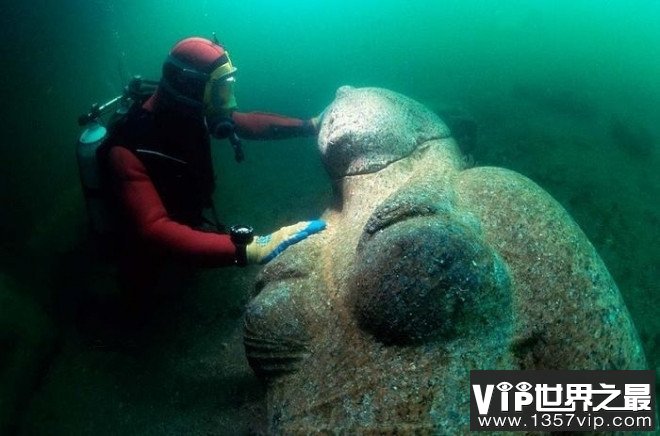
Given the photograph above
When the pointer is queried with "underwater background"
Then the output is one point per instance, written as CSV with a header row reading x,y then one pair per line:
x,y
564,92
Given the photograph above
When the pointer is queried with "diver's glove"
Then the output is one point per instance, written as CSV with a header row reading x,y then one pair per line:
x,y
317,120
263,249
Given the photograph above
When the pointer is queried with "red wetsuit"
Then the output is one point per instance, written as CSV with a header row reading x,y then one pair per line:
x,y
151,233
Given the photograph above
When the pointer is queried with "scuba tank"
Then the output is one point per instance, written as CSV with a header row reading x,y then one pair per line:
x,y
95,132
90,178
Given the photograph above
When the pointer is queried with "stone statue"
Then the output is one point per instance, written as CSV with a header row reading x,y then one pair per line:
x,y
427,269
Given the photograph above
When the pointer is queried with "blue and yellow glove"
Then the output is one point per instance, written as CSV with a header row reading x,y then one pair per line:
x,y
263,249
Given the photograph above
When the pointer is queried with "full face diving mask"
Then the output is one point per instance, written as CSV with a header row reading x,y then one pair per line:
x,y
219,102
219,96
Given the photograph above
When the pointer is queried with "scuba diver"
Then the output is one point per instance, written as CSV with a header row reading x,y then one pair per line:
x,y
156,166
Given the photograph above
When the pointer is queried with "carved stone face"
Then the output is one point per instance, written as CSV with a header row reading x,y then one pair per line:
x,y
426,270
365,130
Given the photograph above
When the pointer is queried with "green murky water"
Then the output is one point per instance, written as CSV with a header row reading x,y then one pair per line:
x,y
565,92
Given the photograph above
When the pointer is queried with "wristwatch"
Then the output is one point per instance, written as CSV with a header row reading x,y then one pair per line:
x,y
241,236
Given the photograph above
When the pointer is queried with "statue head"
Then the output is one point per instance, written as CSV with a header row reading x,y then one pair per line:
x,y
426,270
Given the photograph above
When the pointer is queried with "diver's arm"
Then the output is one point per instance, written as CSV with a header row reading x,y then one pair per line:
x,y
146,214
261,125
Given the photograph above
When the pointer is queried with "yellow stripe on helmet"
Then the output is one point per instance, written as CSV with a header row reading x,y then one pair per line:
x,y
223,70
219,73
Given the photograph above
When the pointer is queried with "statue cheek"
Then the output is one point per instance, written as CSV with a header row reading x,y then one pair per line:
x,y
427,279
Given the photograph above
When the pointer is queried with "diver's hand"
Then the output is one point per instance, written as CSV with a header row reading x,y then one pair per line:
x,y
317,120
263,249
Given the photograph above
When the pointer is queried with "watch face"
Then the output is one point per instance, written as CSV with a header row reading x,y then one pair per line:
x,y
242,230
241,234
